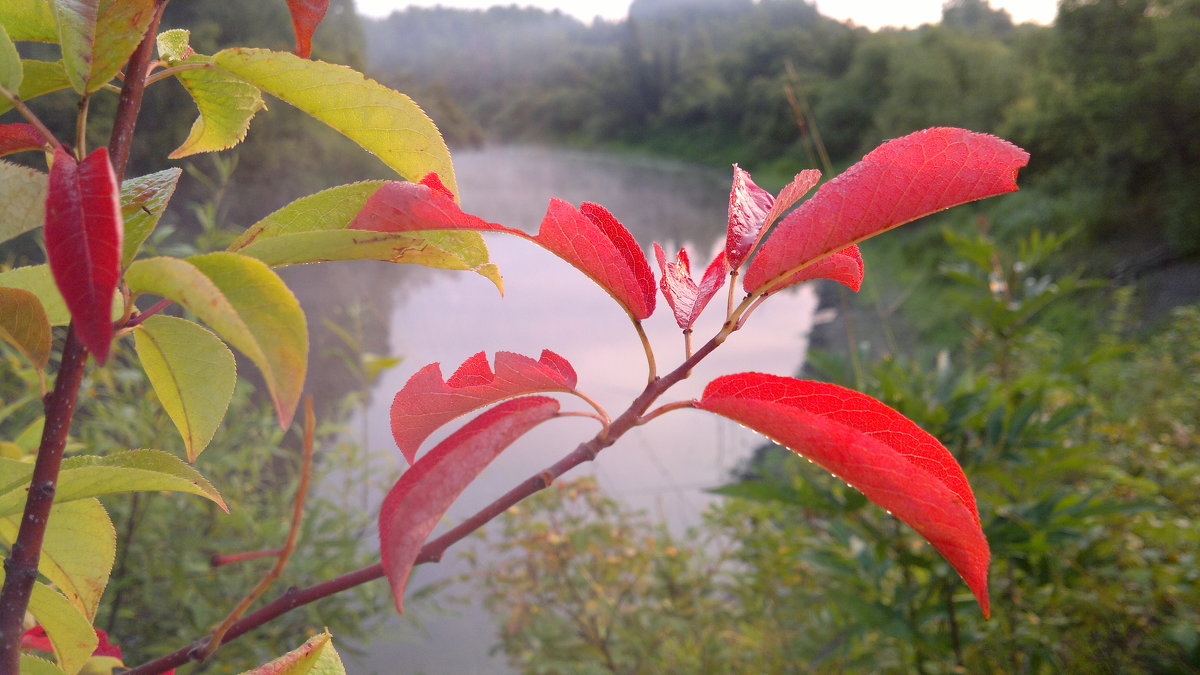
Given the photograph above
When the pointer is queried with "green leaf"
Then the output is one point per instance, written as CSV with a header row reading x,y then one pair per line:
x,y
23,324
37,280
315,657
77,553
382,121
246,304
32,665
70,633
314,229
97,37
226,103
41,77
143,200
28,20
173,45
11,70
22,200
192,373
88,476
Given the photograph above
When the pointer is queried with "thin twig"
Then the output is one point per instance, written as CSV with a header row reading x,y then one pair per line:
x,y
218,634
174,70
30,117
220,559
641,331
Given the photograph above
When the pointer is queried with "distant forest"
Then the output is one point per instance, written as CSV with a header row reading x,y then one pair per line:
x,y
1107,99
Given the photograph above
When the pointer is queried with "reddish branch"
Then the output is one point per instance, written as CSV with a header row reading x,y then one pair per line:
x,y
436,548
21,568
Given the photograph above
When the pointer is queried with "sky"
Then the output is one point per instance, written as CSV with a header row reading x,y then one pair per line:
x,y
870,13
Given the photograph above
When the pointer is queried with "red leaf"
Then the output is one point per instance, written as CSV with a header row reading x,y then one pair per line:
x,y
83,243
589,238
36,638
686,298
898,182
427,401
20,137
592,240
306,16
873,448
844,267
421,497
752,210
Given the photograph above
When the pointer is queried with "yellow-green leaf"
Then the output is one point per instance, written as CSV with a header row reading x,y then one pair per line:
x,y
97,37
22,200
314,229
226,103
88,476
143,200
32,665
23,324
382,121
173,45
41,77
38,280
77,553
192,373
315,657
246,304
11,70
28,20
70,632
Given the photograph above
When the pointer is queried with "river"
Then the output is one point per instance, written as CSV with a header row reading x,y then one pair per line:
x,y
437,316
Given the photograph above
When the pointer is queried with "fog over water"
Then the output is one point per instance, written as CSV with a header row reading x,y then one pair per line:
x,y
446,317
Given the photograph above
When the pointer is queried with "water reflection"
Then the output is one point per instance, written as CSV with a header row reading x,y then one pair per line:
x,y
446,317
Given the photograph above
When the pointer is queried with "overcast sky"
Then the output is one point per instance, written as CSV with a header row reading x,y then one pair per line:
x,y
869,13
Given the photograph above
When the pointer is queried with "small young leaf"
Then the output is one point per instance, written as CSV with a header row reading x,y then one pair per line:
x,y
20,137
686,298
22,200
77,553
173,45
427,401
245,303
226,102
143,200
752,210
328,225
97,37
875,449
40,77
898,182
315,657
383,122
86,476
11,71
83,243
24,325
306,16
38,280
421,497
28,20
192,373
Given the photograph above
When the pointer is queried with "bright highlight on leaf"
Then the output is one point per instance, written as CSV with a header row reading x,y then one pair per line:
x,y
421,497
382,121
315,657
427,401
193,374
83,243
687,298
306,16
409,223
900,181
875,449
245,303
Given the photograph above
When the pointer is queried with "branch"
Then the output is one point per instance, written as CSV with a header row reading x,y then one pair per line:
x,y
130,103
